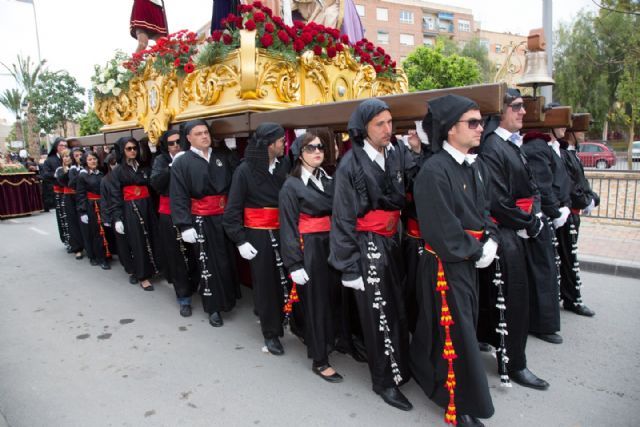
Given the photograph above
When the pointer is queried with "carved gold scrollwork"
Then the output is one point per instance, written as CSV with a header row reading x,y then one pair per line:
x,y
317,72
158,110
363,80
283,77
205,86
344,61
382,87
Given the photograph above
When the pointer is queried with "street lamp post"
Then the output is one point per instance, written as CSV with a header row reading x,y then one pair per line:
x,y
35,19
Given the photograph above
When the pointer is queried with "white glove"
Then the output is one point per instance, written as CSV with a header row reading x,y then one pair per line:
x,y
562,219
522,234
247,251
588,209
357,284
489,250
84,219
119,227
190,235
107,224
300,276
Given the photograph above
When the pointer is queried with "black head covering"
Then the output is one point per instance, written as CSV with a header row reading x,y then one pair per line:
x,y
163,143
118,148
73,159
256,153
362,115
267,133
188,127
443,112
511,95
54,147
296,148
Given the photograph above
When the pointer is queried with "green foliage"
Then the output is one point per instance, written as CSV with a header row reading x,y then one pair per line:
x,y
25,72
474,49
429,68
12,100
114,77
449,46
55,100
90,124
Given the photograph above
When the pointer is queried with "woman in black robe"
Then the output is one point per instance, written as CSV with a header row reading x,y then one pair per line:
x,y
66,176
88,205
50,184
132,210
305,204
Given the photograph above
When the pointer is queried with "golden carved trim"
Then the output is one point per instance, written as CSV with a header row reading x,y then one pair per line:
x,y
315,70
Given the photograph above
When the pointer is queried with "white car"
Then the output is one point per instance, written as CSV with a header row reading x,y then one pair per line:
x,y
635,151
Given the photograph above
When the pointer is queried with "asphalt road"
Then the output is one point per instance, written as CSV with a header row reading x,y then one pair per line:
x,y
83,347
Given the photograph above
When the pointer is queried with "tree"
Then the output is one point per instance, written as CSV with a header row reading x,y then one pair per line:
x,y
428,68
475,50
26,74
12,100
90,123
55,99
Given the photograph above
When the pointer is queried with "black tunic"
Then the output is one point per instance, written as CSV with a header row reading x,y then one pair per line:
x,y
118,241
49,167
450,199
259,190
362,186
321,295
193,177
138,218
68,180
510,179
96,246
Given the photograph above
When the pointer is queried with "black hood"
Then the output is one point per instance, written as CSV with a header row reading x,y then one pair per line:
x,y
362,115
442,114
163,144
54,147
118,148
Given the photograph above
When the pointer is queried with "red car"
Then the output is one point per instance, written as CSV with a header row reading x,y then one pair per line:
x,y
596,154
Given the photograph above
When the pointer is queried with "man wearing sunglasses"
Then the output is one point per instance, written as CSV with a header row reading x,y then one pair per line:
x,y
514,201
459,237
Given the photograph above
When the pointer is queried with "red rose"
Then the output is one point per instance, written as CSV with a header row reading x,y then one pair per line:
x,y
269,28
320,38
339,47
344,39
239,23
227,39
393,64
266,40
161,41
306,38
370,46
176,63
298,24
257,3
283,36
243,8
188,68
298,45
331,52
378,68
184,48
223,22
365,57
216,35
278,21
259,17
292,32
250,25
376,54
317,50
381,50
267,10
387,60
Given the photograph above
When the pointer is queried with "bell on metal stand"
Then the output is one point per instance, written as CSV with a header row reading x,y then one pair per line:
x,y
535,75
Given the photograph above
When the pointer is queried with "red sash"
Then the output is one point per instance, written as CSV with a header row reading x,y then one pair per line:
x,y
92,196
209,205
380,222
135,192
58,189
262,218
473,233
525,204
409,197
314,224
575,211
163,205
68,190
413,228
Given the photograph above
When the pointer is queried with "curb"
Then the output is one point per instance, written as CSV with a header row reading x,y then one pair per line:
x,y
614,267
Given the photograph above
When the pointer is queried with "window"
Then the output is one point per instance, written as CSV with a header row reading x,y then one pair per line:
x,y
428,22
360,9
485,44
428,41
464,25
406,39
406,17
383,37
444,25
498,48
382,14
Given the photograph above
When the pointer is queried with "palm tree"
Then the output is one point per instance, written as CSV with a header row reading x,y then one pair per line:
x,y
12,101
26,73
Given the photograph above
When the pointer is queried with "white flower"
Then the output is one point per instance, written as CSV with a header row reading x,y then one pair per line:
x,y
116,91
121,69
120,78
103,89
102,78
111,83
109,65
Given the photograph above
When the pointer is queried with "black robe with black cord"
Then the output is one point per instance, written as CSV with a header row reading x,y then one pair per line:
x,y
544,314
118,243
48,174
193,177
177,258
251,189
510,179
361,186
68,180
321,295
138,217
97,245
581,196
450,199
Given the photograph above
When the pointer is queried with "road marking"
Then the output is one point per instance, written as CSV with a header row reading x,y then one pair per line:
x,y
37,230
13,221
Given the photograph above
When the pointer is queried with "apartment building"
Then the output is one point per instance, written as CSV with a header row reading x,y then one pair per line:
x,y
503,47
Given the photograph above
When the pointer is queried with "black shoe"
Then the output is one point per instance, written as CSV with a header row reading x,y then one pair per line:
x,y
185,310
93,261
394,397
484,347
79,255
579,309
468,421
334,378
133,280
215,319
274,346
105,265
526,378
552,338
147,288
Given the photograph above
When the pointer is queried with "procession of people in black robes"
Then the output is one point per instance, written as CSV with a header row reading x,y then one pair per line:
x,y
414,257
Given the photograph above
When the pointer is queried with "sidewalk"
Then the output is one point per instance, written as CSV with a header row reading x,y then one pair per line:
x,y
609,249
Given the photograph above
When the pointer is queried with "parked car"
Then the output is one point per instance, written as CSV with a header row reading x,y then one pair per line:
x,y
635,151
596,154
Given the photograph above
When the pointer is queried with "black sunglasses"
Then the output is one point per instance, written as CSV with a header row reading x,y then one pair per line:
x,y
172,143
517,106
311,148
473,123
130,148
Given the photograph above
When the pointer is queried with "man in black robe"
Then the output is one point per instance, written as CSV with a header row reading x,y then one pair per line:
x,y
51,163
365,246
453,214
200,181
514,201
251,222
583,199
553,184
